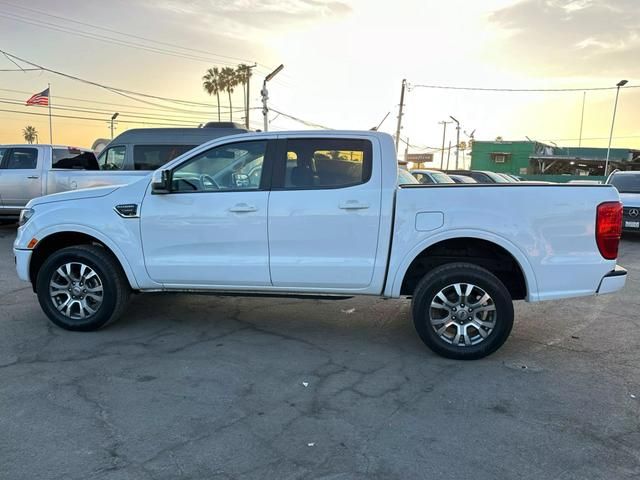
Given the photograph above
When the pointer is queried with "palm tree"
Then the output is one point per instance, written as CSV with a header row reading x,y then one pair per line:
x,y
30,134
211,84
229,82
243,73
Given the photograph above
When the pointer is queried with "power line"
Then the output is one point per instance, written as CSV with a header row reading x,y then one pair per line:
x,y
490,89
583,138
121,42
300,120
109,40
19,69
161,108
40,12
109,112
91,118
89,109
119,91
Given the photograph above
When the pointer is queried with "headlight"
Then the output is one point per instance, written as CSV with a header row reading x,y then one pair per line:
x,y
25,215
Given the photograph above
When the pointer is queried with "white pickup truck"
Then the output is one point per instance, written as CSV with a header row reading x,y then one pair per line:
x,y
320,214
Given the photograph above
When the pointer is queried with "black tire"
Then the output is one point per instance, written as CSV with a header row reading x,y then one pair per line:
x,y
114,284
445,276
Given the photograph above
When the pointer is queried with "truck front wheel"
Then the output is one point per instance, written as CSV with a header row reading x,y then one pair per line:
x,y
82,288
462,311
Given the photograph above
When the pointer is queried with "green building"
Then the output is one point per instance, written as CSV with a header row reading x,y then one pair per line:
x,y
538,161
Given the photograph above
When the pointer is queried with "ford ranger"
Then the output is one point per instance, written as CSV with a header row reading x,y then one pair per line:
x,y
321,214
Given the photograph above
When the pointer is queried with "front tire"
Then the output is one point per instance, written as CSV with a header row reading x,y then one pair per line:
x,y
462,311
82,288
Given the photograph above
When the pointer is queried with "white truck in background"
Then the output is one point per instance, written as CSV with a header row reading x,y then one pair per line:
x,y
29,171
321,214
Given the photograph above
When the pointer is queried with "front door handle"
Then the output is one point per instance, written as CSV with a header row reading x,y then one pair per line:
x,y
35,177
243,208
353,205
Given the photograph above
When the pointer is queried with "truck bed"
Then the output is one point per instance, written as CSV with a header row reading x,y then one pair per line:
x,y
547,228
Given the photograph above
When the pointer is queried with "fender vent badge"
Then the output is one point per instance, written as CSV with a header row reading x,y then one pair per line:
x,y
127,210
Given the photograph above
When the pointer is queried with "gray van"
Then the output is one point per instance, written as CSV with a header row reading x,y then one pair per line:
x,y
150,148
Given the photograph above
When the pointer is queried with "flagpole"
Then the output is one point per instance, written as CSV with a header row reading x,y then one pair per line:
x,y
50,128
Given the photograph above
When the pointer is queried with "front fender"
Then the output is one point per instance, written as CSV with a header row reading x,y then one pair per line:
x,y
401,265
70,227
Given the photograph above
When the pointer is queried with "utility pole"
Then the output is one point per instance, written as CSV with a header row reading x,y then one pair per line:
x,y
621,83
404,84
448,154
265,96
406,151
457,139
113,117
248,99
444,136
584,97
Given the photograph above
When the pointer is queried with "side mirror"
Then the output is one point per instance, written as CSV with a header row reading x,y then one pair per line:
x,y
161,182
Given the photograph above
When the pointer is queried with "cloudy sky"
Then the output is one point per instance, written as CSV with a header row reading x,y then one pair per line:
x,y
344,64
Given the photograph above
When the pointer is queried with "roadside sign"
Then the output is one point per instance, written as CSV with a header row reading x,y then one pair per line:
x,y
419,157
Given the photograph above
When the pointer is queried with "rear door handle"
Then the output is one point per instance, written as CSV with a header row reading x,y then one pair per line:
x,y
353,205
243,208
33,176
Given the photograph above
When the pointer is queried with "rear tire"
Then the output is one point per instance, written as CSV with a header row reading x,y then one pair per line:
x,y
462,311
82,288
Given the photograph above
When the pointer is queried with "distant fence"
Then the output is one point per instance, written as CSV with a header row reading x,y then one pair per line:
x,y
561,178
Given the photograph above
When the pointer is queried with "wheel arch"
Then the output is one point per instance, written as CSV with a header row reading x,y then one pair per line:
x,y
484,241
69,235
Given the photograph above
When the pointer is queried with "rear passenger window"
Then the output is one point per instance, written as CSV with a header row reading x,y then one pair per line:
x,y
152,157
327,163
74,158
20,159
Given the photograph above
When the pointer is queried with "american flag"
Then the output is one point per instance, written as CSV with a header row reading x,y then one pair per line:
x,y
41,98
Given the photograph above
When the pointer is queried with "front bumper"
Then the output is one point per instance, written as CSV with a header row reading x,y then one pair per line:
x,y
613,281
22,258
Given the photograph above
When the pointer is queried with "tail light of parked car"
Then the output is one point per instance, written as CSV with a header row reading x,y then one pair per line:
x,y
609,229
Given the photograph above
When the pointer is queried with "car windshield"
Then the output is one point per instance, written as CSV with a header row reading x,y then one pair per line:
x,y
405,177
497,178
442,178
626,183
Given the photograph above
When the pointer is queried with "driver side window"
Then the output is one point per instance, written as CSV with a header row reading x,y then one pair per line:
x,y
236,166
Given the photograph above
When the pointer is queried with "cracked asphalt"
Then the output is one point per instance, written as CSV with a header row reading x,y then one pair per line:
x,y
199,387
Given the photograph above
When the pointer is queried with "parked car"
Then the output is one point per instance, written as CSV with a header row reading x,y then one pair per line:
x,y
320,214
513,177
405,178
149,148
507,177
461,178
427,177
628,184
481,176
585,182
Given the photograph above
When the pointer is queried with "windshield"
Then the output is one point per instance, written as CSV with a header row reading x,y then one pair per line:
x,y
405,177
496,177
442,178
626,183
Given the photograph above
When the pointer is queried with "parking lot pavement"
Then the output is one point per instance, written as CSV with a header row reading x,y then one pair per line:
x,y
206,387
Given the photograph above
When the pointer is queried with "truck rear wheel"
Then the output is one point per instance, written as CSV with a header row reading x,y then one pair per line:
x,y
462,311
82,288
